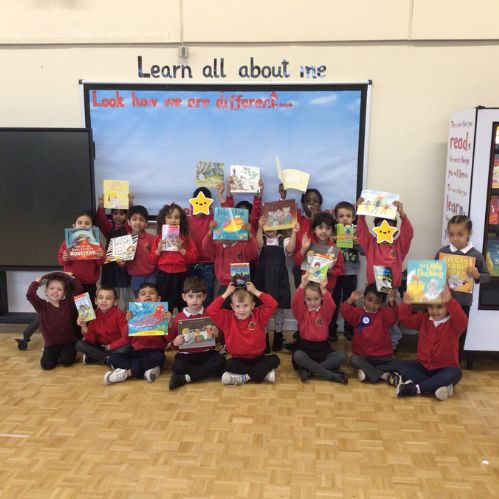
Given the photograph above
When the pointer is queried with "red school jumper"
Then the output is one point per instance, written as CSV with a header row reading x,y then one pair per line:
x,y
173,262
173,329
87,271
110,328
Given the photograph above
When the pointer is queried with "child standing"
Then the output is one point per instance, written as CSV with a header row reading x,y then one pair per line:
x,y
147,355
193,364
313,308
107,333
459,230
272,277
57,317
173,265
372,350
140,269
86,271
436,369
244,329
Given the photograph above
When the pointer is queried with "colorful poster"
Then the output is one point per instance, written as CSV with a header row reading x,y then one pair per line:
x,y
83,244
231,224
116,194
426,280
378,204
209,173
279,215
148,318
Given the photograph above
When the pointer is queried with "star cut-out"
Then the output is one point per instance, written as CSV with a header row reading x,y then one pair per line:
x,y
384,232
200,204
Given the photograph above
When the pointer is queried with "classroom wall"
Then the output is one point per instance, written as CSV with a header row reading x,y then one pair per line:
x,y
426,60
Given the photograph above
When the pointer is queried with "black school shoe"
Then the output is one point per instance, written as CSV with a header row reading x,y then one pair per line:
x,y
339,377
406,389
176,381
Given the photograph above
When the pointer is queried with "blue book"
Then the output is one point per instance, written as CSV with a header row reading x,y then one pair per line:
x,y
148,318
230,223
426,280
493,256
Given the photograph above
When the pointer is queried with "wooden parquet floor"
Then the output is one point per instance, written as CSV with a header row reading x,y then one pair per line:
x,y
64,434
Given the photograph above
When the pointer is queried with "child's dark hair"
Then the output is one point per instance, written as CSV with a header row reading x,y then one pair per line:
x,y
145,285
204,190
323,218
379,220
84,213
138,210
116,210
308,191
107,288
461,219
371,288
195,284
166,210
344,205
245,205
58,278
240,294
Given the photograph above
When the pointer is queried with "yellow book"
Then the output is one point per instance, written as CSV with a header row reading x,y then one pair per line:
x,y
116,194
292,179
457,278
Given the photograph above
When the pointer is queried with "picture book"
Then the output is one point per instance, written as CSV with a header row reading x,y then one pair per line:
x,y
240,274
116,194
378,204
457,278
345,235
292,179
280,215
426,280
209,173
197,333
319,265
383,277
148,318
494,210
122,248
170,234
84,307
83,244
245,179
492,257
230,224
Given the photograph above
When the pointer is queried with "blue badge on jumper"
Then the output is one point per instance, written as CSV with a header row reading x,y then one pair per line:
x,y
364,321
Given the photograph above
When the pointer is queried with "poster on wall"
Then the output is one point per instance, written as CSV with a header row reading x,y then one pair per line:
x,y
460,152
154,135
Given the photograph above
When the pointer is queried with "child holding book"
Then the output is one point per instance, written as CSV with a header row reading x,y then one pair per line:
x,y
57,317
372,350
107,333
173,265
193,364
244,329
86,271
459,230
114,274
140,269
147,355
313,308
272,277
436,369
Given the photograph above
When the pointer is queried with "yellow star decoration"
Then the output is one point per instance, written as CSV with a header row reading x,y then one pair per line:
x,y
200,204
385,232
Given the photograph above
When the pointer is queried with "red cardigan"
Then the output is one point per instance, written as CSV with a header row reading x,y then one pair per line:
x,y
372,339
110,328
173,262
438,347
313,324
243,338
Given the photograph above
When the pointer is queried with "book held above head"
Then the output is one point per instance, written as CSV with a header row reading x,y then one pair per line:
x,y
209,173
378,204
291,178
245,179
116,194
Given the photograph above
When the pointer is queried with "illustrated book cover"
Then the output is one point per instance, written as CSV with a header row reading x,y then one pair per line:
x,y
209,173
197,333
494,210
245,179
280,215
83,244
84,307
492,257
318,266
426,280
170,234
240,274
383,277
378,204
148,318
291,178
230,224
122,248
457,278
116,194
344,236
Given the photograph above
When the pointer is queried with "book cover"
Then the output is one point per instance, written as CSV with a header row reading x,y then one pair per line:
x,y
345,235
494,210
170,234
83,244
457,278
148,318
383,277
245,179
209,173
426,280
122,248
116,194
492,256
280,215
240,274
197,333
378,204
319,265
230,224
291,178
84,307
495,173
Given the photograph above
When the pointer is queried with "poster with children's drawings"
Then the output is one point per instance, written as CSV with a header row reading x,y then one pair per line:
x,y
378,204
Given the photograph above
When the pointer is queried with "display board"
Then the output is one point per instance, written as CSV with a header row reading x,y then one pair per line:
x,y
46,176
153,135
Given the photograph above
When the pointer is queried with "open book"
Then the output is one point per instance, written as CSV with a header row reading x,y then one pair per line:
x,y
292,179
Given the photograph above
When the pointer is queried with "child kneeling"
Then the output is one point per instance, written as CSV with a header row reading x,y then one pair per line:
x,y
436,369
244,328
313,308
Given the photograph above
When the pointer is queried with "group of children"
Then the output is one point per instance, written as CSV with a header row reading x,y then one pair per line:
x,y
186,280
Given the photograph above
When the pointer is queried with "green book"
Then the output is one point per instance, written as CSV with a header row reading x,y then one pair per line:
x,y
345,235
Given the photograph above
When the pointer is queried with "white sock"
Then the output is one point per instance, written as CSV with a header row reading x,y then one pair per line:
x,y
187,378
